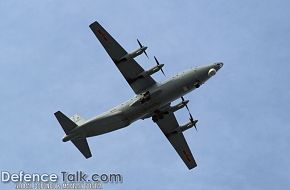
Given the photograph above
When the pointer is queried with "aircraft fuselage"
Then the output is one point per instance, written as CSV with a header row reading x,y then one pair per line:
x,y
144,105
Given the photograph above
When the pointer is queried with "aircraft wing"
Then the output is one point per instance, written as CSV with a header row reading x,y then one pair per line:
x,y
130,69
177,140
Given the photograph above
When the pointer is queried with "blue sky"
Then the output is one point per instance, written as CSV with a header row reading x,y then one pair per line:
x,y
50,60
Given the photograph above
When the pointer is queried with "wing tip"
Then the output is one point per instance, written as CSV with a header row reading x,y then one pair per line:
x,y
57,112
88,156
93,24
192,166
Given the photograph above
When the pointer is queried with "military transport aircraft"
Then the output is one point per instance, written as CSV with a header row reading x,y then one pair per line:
x,y
152,100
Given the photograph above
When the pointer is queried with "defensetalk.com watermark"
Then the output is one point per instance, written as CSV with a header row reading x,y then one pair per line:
x,y
62,180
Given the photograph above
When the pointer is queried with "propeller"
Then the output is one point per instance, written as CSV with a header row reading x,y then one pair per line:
x,y
141,46
183,100
159,64
190,116
193,121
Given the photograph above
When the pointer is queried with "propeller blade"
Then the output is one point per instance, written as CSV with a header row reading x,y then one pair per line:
x,y
139,43
141,46
159,64
193,121
182,98
146,54
162,72
187,108
156,61
194,124
191,118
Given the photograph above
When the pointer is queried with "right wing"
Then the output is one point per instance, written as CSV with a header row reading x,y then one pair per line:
x,y
130,69
177,140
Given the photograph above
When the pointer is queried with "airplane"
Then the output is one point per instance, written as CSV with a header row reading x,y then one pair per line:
x,y
152,100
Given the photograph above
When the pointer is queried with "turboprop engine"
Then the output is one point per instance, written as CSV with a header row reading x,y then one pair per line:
x,y
134,54
186,126
178,106
151,71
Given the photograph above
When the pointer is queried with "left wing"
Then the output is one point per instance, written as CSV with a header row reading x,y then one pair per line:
x,y
177,140
130,69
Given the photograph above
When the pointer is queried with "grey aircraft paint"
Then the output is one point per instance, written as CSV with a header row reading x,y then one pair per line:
x,y
152,99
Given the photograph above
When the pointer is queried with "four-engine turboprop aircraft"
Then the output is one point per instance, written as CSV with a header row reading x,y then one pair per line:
x,y
152,100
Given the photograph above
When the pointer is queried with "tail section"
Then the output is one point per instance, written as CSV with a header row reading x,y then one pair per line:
x,y
78,119
82,145
67,124
77,139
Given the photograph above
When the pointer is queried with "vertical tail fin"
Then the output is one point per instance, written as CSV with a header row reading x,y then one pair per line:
x,y
68,125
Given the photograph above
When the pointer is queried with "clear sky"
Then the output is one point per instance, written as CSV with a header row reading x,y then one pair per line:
x,y
50,60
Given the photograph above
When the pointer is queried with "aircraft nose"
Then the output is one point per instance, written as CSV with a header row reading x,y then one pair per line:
x,y
219,65
214,68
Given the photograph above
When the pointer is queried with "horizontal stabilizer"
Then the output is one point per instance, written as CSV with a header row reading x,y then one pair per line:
x,y
66,123
82,145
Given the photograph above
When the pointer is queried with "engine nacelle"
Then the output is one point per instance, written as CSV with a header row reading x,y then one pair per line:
x,y
133,54
184,127
178,106
151,71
